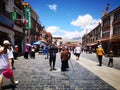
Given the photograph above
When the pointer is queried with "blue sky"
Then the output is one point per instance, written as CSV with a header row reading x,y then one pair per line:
x,y
71,18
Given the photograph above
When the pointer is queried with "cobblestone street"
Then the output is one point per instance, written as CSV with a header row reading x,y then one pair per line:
x,y
34,74
88,29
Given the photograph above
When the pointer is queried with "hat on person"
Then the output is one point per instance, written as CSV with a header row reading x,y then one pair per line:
x,y
6,42
16,45
99,46
111,51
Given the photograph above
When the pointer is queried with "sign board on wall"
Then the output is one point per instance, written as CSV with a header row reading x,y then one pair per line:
x,y
27,14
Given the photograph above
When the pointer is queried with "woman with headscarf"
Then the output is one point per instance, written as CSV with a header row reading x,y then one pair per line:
x,y
65,56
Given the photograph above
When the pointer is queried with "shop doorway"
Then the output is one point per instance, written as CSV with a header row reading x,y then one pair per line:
x,y
3,36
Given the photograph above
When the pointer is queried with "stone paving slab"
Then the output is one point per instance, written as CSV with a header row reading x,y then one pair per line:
x,y
108,74
34,74
105,60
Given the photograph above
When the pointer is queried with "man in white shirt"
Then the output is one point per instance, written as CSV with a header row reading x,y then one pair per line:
x,y
77,52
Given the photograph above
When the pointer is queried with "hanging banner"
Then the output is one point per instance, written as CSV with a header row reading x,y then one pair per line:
x,y
27,14
14,16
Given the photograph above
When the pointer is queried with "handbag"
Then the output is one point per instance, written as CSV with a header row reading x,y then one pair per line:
x,y
8,73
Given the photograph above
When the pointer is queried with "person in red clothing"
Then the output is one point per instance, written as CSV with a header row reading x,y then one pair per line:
x,y
65,56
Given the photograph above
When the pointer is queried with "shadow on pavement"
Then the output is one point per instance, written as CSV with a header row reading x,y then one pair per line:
x,y
10,86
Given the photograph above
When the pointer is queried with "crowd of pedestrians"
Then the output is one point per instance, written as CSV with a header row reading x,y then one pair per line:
x,y
9,53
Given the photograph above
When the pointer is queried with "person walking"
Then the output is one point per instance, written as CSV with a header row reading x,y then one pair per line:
x,y
33,48
77,52
27,50
46,51
52,52
6,64
100,52
69,55
65,56
110,63
12,56
15,52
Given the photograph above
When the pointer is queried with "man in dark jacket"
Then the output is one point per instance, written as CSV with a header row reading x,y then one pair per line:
x,y
53,50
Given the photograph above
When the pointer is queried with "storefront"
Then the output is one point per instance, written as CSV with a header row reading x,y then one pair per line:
x,y
116,45
6,29
3,36
91,47
18,40
113,44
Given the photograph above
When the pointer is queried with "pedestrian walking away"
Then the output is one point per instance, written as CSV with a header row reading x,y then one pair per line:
x,y
27,50
52,52
77,52
32,52
6,64
15,52
110,55
100,52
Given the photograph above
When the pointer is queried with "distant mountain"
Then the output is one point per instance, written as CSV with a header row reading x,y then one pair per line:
x,y
76,38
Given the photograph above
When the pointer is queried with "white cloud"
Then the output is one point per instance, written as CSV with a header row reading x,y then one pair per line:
x,y
52,29
85,22
65,34
53,7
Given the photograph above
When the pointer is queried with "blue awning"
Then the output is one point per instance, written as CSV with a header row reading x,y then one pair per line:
x,y
37,43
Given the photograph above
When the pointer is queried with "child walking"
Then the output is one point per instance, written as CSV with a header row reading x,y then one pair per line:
x,y
110,63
